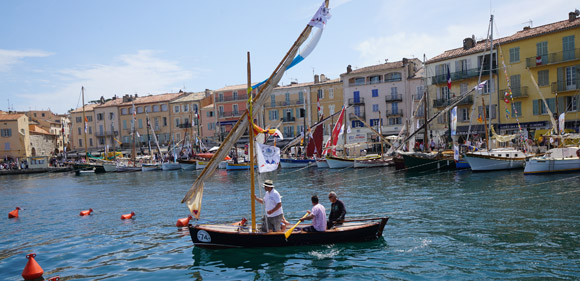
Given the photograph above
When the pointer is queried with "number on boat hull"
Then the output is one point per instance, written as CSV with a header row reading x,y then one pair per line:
x,y
203,236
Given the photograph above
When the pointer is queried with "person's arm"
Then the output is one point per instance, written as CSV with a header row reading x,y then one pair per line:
x,y
341,211
309,217
259,199
278,206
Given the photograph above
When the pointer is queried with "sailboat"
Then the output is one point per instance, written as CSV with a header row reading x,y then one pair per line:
x,y
334,161
371,161
153,164
169,165
236,236
87,167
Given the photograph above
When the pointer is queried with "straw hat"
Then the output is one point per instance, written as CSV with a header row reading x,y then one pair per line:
x,y
269,183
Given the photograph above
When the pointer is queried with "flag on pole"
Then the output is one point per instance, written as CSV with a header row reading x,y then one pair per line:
x,y
336,131
562,121
480,85
318,104
86,124
454,121
268,157
456,152
448,79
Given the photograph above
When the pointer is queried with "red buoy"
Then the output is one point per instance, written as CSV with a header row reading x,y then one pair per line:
x,y
32,270
183,221
128,216
13,214
86,212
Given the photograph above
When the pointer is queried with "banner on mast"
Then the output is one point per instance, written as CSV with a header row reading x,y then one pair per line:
x,y
268,157
454,121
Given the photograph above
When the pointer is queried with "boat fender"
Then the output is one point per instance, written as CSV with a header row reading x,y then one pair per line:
x,y
183,221
32,270
86,212
14,213
128,216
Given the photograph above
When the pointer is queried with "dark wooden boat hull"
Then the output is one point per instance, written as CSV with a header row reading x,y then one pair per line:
x,y
84,167
205,237
417,163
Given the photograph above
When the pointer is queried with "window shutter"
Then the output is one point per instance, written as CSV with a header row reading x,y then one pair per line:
x,y
561,104
561,76
494,111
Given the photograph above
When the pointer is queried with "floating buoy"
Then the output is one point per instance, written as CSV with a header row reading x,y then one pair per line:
x,y
32,270
240,223
128,216
56,278
86,212
13,214
183,221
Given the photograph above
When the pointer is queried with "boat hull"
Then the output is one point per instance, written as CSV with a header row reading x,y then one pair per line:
x,y
479,162
200,165
544,166
417,163
170,166
110,168
227,236
150,167
188,166
97,169
339,163
370,163
240,166
321,164
295,163
223,165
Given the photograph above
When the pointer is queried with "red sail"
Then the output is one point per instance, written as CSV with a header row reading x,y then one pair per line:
x,y
315,144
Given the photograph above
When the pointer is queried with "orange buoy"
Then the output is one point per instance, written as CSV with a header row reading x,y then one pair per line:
x,y
87,212
240,223
128,216
32,270
13,214
183,221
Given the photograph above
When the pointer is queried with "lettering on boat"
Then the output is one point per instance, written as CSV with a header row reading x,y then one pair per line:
x,y
203,236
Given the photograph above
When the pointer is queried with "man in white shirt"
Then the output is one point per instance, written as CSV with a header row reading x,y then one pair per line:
x,y
273,204
317,215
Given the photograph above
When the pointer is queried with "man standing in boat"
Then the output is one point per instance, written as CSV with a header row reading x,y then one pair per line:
x,y
273,205
317,215
337,211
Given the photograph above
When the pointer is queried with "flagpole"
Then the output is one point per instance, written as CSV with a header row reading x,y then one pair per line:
x,y
85,120
251,145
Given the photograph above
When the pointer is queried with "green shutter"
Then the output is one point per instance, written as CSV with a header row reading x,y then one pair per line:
x,y
535,103
561,104
560,82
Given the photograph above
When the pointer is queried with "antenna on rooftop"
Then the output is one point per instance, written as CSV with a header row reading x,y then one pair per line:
x,y
530,23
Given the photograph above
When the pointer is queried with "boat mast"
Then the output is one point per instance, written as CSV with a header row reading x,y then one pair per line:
x,y
105,136
381,131
490,79
344,133
148,136
85,121
251,145
425,144
485,124
133,148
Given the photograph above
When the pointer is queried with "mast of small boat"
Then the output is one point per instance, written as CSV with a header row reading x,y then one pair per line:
x,y
490,79
133,158
344,134
425,144
485,124
148,136
85,121
251,145
381,131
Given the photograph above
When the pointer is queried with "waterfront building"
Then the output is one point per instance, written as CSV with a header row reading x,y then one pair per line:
x,y
107,123
465,66
81,127
14,136
386,88
53,124
329,94
208,123
185,116
229,104
287,109
551,54
157,107
42,142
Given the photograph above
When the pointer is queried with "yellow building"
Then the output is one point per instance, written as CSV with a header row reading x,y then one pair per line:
x,y
14,136
79,142
287,109
551,55
329,93
185,112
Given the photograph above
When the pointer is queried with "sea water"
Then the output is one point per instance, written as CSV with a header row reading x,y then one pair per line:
x,y
443,225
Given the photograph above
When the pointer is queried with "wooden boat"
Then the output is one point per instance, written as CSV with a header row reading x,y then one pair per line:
x,y
169,166
418,161
88,168
229,236
373,162
287,163
555,160
339,162
239,166
496,159
200,165
321,163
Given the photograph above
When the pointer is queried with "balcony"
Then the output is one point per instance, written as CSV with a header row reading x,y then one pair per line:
x,y
563,86
552,58
106,134
446,102
184,125
460,75
521,92
226,114
391,112
353,101
288,119
360,115
286,103
393,98
232,98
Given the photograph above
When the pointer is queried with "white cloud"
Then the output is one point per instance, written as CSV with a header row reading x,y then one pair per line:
x,y
12,57
142,73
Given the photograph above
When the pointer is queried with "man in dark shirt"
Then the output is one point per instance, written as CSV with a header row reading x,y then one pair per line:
x,y
337,211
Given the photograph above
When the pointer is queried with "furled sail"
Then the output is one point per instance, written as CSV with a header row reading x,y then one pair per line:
x,y
193,196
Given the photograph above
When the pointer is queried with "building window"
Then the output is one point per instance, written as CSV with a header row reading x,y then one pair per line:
x,y
90,141
464,114
330,108
80,142
235,109
273,115
357,124
515,55
320,94
393,77
140,123
125,124
79,119
211,126
147,109
209,114
221,111
156,108
568,48
123,111
395,121
186,108
359,81
272,101
487,111
544,78
517,109
164,107
287,98
235,95
542,52
374,122
176,108
99,116
300,97
6,132
164,121
176,122
80,132
331,93
375,108
375,79
90,130
90,118
139,109
375,92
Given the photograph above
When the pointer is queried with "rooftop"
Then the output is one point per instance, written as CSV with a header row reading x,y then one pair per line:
x,y
190,97
10,117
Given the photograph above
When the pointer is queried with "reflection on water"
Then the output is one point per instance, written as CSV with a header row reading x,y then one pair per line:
x,y
444,225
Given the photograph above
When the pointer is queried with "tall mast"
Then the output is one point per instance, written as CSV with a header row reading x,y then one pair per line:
x,y
490,78
85,121
425,108
105,136
133,149
148,136
344,133
485,124
251,145
381,131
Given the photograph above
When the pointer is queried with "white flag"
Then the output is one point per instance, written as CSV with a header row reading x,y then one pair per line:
x,y
454,121
561,122
455,152
268,157
321,17
480,85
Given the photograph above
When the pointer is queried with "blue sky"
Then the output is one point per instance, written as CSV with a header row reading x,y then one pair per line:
x,y
49,49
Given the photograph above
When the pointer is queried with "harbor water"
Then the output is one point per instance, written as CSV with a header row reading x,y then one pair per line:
x,y
443,225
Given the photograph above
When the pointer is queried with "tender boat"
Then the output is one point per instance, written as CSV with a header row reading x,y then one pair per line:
x,y
339,162
151,167
555,160
187,164
287,163
496,159
168,166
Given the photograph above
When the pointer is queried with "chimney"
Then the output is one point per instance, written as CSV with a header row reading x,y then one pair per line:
x,y
316,80
526,28
468,43
136,96
405,61
572,15
207,92
323,78
348,69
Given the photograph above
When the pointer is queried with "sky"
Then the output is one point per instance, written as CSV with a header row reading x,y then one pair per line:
x,y
49,49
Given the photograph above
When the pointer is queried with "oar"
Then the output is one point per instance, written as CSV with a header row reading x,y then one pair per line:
x,y
289,231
